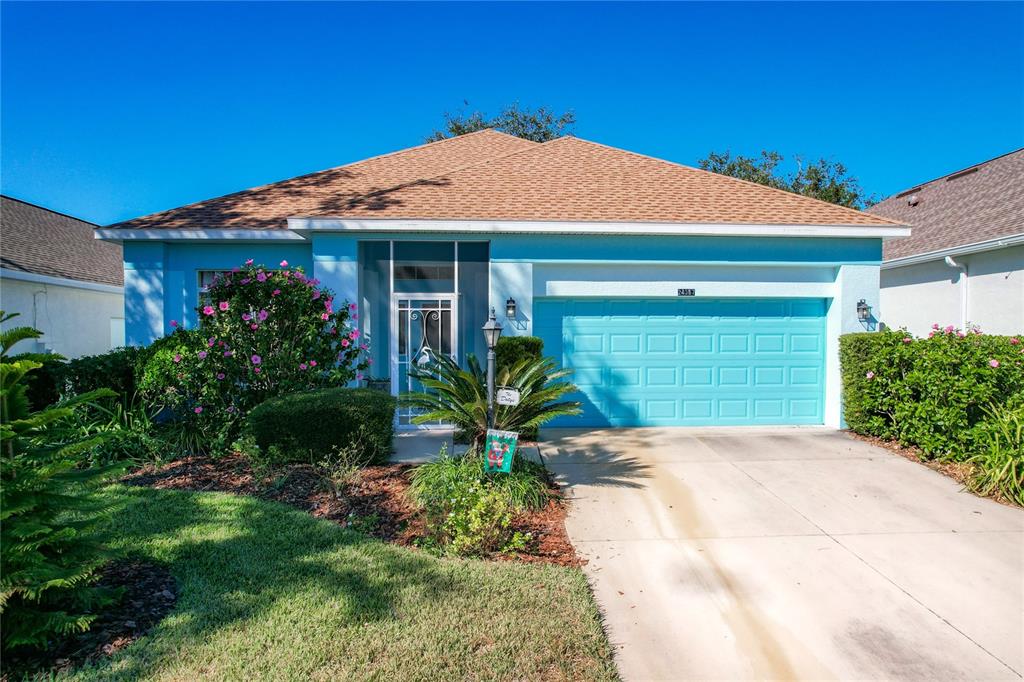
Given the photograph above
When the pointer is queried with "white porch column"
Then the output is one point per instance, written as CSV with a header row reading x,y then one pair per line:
x,y
853,283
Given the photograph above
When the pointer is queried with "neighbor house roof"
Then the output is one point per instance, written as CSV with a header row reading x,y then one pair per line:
x,y
37,240
493,176
977,204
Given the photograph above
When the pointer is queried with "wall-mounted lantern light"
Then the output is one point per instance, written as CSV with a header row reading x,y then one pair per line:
x,y
863,310
510,308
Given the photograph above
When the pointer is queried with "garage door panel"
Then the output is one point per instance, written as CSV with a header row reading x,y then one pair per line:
x,y
689,362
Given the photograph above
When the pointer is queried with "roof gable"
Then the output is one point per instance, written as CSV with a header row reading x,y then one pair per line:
x,y
977,204
44,242
493,176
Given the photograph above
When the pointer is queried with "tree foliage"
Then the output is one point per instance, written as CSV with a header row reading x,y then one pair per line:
x,y
539,125
49,554
822,179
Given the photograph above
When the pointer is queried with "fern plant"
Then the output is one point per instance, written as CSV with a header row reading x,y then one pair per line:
x,y
458,396
48,553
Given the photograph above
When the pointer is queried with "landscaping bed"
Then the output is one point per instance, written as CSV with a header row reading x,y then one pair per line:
x,y
377,504
150,593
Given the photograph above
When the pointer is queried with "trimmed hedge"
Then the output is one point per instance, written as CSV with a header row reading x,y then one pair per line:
x,y
114,370
306,426
512,349
932,393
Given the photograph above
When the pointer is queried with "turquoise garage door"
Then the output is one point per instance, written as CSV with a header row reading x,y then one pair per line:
x,y
689,362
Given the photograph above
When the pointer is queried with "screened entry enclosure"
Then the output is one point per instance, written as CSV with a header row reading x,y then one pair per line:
x,y
420,299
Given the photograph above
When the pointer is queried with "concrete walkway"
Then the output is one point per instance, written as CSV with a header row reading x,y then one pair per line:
x,y
798,553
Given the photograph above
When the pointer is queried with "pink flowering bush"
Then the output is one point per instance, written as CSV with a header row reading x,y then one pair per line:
x,y
262,333
934,392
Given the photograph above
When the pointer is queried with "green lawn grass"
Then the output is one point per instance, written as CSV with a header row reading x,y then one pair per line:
x,y
268,592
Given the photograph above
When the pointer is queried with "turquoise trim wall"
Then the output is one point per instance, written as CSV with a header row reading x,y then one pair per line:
x,y
161,283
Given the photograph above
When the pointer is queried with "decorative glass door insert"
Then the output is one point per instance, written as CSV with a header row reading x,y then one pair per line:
x,y
424,327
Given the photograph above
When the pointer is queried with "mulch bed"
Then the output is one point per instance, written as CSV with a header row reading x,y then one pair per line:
x,y
377,505
149,595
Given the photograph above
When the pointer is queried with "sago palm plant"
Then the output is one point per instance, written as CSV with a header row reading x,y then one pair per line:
x,y
458,396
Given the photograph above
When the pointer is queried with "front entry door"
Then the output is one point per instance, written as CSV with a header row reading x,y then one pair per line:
x,y
422,326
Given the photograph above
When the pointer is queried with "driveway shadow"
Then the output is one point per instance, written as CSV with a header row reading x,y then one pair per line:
x,y
590,461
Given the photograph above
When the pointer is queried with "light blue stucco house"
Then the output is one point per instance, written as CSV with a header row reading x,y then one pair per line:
x,y
678,296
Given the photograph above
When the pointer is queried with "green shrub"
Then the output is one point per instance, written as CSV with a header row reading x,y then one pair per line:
x,y
114,370
261,334
44,383
513,349
930,392
459,396
48,552
999,462
468,512
526,485
307,426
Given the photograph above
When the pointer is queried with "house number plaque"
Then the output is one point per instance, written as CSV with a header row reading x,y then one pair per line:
x,y
687,292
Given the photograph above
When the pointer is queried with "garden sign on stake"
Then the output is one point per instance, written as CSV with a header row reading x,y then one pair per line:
x,y
500,449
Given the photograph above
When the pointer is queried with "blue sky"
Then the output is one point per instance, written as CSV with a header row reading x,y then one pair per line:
x,y
110,111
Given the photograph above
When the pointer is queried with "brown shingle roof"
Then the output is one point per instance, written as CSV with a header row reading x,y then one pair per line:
x,y
976,204
38,240
492,176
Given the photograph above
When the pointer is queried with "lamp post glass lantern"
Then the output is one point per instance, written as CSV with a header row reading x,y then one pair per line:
x,y
492,332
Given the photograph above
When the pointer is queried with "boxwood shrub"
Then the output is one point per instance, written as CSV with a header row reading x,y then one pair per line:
x,y
307,426
934,393
512,349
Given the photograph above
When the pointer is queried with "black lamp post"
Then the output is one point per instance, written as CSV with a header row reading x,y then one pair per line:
x,y
492,332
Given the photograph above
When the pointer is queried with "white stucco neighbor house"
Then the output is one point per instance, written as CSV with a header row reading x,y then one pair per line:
x,y
964,264
677,296
60,280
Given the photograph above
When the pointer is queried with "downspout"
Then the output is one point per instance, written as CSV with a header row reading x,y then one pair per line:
x,y
963,290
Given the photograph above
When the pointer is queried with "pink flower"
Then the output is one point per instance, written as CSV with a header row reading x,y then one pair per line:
x,y
231,408
220,343
256,359
344,343
355,316
246,280
275,292
359,377
198,409
228,353
325,316
257,370
935,326
949,329
352,307
1014,341
261,277
363,346
302,365
211,341
993,363
246,317
208,310
202,355
316,295
220,376
285,273
961,335
177,357
174,323
284,264
254,326
249,262
263,315
870,375
354,334
223,305
312,363
369,361
907,339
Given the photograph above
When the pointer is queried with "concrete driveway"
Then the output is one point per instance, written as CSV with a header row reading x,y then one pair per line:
x,y
790,554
